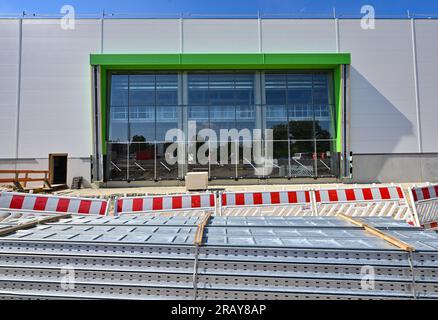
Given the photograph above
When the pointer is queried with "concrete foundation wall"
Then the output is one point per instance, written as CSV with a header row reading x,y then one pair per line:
x,y
368,168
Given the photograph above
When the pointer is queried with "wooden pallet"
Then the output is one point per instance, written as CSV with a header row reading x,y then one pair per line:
x,y
20,179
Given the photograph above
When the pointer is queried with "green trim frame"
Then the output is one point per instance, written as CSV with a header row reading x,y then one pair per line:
x,y
222,61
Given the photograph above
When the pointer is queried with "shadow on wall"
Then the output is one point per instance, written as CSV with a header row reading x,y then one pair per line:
x,y
377,131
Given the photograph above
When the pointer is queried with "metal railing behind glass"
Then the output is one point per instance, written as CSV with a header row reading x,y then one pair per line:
x,y
165,160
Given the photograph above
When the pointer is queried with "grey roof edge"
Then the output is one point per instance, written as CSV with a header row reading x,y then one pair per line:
x,y
265,16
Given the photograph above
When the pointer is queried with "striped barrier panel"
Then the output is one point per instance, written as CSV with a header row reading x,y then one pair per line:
x,y
28,202
274,203
425,204
382,201
184,204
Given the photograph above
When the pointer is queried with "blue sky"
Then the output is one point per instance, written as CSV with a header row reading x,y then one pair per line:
x,y
382,7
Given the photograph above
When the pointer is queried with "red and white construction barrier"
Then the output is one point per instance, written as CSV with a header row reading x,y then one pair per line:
x,y
382,201
150,204
23,202
279,203
425,205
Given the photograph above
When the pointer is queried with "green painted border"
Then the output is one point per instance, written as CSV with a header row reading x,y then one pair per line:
x,y
337,80
222,61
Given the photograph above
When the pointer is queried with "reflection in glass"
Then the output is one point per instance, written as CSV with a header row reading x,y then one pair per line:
x,y
168,118
141,161
225,165
142,90
276,120
165,171
117,161
275,89
297,106
302,158
142,123
301,122
327,162
118,124
280,159
198,157
248,167
299,89
166,90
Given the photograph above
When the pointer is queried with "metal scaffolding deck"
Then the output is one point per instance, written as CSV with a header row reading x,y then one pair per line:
x,y
154,257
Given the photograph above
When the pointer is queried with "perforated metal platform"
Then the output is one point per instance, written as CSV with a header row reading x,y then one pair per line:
x,y
153,257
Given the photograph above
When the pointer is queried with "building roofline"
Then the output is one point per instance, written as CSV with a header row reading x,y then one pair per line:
x,y
188,16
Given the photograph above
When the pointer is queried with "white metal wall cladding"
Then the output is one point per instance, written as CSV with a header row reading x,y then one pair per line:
x,y
216,35
141,36
44,203
383,113
425,203
426,33
56,88
9,59
55,83
283,35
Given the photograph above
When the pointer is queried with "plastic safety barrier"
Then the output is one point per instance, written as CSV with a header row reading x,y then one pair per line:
x,y
23,202
277,203
382,201
425,204
157,204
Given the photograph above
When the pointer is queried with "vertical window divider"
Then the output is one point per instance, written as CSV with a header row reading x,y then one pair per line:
x,y
155,161
288,127
129,127
314,129
155,127
235,126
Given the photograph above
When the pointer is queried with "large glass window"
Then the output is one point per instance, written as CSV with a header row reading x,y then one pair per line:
x,y
119,97
221,101
143,107
299,109
298,106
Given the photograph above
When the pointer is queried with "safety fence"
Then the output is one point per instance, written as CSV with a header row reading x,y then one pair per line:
x,y
367,201
23,202
425,205
387,201
184,203
374,201
275,203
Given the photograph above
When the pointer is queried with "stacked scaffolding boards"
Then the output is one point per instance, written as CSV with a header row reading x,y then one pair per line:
x,y
425,205
153,257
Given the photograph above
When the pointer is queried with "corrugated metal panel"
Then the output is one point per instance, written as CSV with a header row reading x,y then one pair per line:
x,y
383,113
9,57
56,82
426,33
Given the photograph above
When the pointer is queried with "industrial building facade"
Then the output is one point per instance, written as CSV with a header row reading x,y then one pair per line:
x,y
334,101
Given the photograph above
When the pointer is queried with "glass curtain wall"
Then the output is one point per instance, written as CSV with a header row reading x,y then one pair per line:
x,y
224,104
142,108
299,109
216,113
